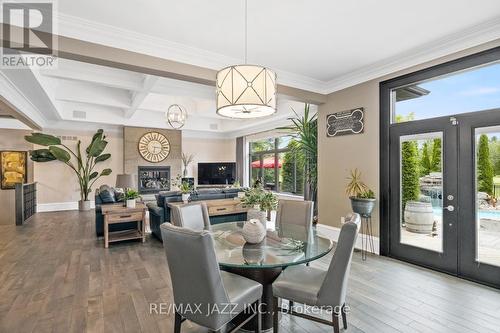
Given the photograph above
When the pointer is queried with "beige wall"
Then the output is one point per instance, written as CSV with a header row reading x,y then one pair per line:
x,y
336,156
132,158
12,140
208,150
57,183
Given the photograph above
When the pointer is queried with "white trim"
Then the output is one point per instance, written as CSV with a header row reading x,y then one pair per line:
x,y
109,35
59,206
459,41
334,232
100,33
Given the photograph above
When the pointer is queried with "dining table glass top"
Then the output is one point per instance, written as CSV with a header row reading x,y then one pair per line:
x,y
284,246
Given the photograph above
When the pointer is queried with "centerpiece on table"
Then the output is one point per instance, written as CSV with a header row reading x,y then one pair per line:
x,y
260,202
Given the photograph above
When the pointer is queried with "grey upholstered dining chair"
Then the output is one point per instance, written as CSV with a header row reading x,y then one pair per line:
x,y
315,287
295,212
202,292
193,216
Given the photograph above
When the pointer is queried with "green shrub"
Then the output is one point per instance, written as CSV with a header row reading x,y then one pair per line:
x,y
409,172
484,166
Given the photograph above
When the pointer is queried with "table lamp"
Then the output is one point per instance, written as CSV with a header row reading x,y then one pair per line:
x,y
125,182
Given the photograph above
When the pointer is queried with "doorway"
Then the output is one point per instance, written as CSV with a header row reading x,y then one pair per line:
x,y
440,173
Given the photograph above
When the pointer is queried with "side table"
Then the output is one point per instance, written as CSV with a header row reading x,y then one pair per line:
x,y
114,214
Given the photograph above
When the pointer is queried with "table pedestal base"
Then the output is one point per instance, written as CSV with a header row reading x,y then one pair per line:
x,y
265,277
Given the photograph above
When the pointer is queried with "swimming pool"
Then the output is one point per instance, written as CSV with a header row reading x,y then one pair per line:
x,y
483,214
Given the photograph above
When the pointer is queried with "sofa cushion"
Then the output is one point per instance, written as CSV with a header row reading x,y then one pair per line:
x,y
119,195
107,195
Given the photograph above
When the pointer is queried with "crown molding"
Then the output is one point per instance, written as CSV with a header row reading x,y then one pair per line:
x,y
104,34
20,102
456,42
100,33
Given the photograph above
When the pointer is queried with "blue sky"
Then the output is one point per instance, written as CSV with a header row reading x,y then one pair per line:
x,y
473,90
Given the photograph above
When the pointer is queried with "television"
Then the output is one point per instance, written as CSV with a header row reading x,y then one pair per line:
x,y
223,173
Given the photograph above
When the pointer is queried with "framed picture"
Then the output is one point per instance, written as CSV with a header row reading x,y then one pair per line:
x,y
13,168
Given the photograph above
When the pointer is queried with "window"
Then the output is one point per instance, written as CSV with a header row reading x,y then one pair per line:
x,y
273,163
465,91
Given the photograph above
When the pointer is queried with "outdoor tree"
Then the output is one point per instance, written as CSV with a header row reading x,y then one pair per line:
x,y
293,170
409,172
436,155
484,166
425,161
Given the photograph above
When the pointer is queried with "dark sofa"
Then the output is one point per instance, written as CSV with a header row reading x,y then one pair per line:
x,y
159,212
106,195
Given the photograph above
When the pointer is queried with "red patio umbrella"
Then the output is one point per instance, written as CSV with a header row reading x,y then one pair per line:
x,y
268,163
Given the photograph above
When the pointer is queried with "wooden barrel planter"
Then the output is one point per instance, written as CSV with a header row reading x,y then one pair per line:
x,y
419,217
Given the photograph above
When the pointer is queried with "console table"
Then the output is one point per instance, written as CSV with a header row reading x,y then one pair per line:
x,y
114,214
218,209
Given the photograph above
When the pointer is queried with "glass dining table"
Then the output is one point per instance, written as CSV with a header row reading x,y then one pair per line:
x,y
284,246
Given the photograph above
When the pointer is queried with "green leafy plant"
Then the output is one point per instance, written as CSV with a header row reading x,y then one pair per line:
x,y
236,184
368,194
355,186
83,166
410,184
185,188
266,200
306,148
131,194
485,170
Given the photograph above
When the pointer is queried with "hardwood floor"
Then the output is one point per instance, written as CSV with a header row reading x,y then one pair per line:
x,y
57,277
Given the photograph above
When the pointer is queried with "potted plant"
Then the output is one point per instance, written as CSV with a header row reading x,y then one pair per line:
x,y
260,202
185,189
131,197
362,198
82,164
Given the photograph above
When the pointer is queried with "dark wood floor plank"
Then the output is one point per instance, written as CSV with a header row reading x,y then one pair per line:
x,y
56,277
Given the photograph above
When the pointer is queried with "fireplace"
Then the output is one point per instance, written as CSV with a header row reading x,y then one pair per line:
x,y
153,179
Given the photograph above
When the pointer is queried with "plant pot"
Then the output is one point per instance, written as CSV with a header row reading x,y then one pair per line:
x,y
256,213
83,205
362,206
185,197
419,217
131,203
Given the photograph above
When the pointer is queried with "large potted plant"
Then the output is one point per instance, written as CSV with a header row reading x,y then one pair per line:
x,y
83,164
260,203
362,198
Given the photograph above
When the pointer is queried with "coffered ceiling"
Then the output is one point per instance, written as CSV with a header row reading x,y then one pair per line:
x,y
76,93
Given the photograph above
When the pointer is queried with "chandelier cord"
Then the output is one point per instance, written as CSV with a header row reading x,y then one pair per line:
x,y
246,30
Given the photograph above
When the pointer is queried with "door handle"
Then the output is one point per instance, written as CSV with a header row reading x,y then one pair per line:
x,y
449,208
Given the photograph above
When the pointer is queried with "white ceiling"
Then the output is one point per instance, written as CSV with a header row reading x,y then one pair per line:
x,y
312,44
76,93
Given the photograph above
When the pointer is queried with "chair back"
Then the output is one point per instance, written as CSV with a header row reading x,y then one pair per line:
x,y
295,212
193,216
195,275
334,287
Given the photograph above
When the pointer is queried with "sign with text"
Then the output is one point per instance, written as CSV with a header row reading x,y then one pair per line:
x,y
345,122
28,32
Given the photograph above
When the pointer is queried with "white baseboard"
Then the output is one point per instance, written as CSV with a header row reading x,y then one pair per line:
x,y
59,206
334,232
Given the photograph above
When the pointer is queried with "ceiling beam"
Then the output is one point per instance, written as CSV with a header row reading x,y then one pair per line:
x,y
139,96
75,49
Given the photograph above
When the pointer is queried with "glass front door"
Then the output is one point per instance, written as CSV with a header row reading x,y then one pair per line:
x,y
445,191
423,193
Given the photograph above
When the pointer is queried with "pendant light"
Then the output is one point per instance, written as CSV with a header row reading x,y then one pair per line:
x,y
246,91
176,116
